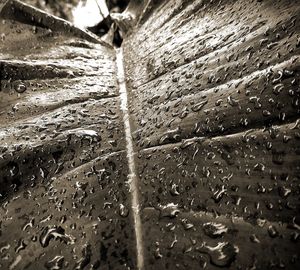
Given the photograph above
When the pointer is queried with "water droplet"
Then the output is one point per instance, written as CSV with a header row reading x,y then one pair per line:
x,y
222,255
197,107
56,263
273,231
219,193
170,210
53,232
214,230
20,87
123,210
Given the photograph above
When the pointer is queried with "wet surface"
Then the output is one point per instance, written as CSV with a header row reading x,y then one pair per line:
x,y
185,242
65,200
252,174
78,219
225,76
197,168
214,105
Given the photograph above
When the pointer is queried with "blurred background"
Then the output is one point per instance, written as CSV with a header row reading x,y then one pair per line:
x,y
93,15
79,11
